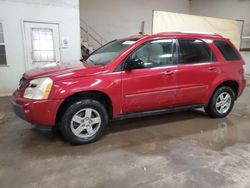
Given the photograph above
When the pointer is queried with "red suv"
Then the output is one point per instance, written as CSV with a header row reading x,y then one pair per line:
x,y
135,76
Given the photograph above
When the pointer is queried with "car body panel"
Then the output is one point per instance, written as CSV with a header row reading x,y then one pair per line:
x,y
111,87
194,81
148,88
65,70
39,112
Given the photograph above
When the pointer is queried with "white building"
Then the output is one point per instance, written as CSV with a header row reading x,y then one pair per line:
x,y
32,32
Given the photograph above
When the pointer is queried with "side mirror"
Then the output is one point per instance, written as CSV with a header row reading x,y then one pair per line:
x,y
133,64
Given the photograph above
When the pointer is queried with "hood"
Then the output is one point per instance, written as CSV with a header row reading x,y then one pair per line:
x,y
64,70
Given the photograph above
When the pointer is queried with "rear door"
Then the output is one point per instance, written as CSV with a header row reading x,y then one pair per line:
x,y
197,70
153,86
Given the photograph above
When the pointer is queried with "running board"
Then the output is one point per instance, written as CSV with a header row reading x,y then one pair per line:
x,y
157,112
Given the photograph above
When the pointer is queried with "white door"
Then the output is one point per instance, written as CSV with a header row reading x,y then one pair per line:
x,y
42,44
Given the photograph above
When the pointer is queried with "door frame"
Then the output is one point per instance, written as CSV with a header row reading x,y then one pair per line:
x,y
25,51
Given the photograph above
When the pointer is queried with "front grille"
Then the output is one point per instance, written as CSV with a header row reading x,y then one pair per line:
x,y
22,83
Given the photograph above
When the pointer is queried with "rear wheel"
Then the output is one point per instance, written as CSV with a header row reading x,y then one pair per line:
x,y
84,122
221,102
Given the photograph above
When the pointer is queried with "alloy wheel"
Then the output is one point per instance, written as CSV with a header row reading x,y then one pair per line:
x,y
85,123
223,102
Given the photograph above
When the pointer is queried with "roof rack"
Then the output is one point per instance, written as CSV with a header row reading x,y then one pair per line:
x,y
187,32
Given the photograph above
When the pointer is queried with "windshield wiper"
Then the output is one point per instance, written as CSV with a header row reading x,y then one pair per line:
x,y
91,61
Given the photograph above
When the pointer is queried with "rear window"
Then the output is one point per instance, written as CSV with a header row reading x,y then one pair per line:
x,y
227,51
194,51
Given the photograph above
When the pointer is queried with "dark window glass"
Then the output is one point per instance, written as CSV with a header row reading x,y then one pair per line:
x,y
2,55
194,51
155,53
227,51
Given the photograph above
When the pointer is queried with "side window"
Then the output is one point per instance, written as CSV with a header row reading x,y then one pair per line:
x,y
2,47
155,53
227,51
194,51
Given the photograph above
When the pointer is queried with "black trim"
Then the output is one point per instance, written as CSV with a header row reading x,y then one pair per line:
x,y
158,111
18,109
119,67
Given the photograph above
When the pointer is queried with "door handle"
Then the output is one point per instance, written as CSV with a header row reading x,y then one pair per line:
x,y
211,68
168,72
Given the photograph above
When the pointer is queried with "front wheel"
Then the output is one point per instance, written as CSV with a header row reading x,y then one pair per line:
x,y
221,102
84,122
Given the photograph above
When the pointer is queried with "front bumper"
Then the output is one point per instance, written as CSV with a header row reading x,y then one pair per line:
x,y
18,109
38,112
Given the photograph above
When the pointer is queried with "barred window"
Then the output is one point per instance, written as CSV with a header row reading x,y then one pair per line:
x,y
43,45
3,60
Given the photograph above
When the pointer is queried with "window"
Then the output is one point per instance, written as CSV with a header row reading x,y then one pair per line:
x,y
42,45
155,53
194,51
110,51
3,60
227,51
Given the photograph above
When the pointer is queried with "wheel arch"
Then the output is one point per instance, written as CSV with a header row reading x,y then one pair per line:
x,y
94,94
233,84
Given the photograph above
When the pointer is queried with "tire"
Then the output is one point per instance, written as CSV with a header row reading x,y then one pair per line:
x,y
84,122
224,97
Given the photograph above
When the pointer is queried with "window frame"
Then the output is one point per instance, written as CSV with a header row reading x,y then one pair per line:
x,y
179,54
4,44
120,67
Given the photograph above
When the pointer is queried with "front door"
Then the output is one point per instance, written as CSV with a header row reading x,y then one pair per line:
x,y
153,86
42,44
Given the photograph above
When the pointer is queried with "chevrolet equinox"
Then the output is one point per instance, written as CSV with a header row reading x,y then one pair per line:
x,y
133,77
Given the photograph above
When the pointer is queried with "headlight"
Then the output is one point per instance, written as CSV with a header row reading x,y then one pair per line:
x,y
38,89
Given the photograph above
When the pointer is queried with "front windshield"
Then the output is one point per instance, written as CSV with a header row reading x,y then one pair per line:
x,y
108,52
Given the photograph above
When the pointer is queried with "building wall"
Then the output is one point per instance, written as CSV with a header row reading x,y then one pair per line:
x,y
119,18
14,12
57,3
234,9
